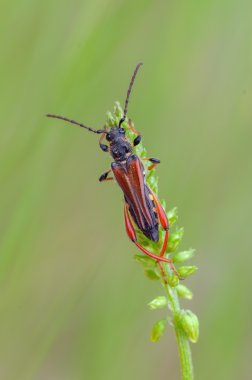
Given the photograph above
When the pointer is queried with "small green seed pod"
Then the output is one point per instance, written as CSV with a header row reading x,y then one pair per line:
x,y
158,330
179,257
184,292
158,303
190,324
185,271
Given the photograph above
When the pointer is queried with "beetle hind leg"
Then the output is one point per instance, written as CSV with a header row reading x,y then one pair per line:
x,y
165,224
132,235
104,176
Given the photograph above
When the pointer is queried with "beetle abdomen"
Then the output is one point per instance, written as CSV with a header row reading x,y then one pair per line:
x,y
151,231
150,226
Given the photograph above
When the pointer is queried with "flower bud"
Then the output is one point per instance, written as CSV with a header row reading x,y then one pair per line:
x,y
173,216
173,280
152,181
163,203
158,330
184,292
143,152
158,303
190,324
110,119
185,271
179,257
175,239
118,110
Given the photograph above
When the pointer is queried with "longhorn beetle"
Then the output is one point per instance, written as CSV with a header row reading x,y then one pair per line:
x,y
141,204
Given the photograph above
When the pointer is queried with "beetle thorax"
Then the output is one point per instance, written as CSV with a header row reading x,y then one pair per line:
x,y
120,147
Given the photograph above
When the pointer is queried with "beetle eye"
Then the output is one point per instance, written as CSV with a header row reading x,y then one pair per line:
x,y
108,137
122,131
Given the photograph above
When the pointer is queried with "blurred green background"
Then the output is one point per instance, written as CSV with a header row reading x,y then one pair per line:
x,y
72,299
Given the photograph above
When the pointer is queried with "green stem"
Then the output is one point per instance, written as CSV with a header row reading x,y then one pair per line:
x,y
182,340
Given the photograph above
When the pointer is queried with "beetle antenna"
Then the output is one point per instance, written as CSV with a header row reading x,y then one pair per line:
x,y
129,92
76,123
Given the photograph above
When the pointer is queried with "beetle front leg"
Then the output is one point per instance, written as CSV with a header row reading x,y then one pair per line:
x,y
137,139
103,147
154,161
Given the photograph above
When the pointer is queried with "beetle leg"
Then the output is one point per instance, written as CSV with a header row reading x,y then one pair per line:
x,y
139,137
132,235
161,215
165,224
104,176
103,147
154,161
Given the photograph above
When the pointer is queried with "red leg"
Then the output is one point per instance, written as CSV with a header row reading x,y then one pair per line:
x,y
139,137
154,162
161,213
130,125
162,271
102,137
104,176
151,167
165,224
103,147
132,235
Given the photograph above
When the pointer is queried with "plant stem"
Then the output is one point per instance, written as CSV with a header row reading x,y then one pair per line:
x,y
185,325
182,340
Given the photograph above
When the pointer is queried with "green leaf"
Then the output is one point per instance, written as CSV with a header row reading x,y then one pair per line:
x,y
158,330
158,303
